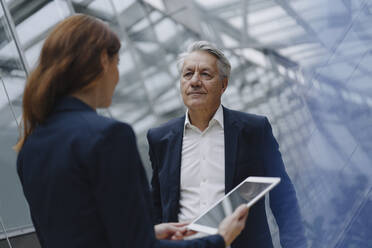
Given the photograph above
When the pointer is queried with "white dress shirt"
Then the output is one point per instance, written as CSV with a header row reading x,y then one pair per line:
x,y
202,167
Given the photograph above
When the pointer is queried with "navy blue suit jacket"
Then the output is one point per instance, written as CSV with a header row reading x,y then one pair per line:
x,y
250,150
85,184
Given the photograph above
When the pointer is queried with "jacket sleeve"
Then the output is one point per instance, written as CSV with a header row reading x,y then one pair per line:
x,y
20,175
117,181
155,186
122,195
283,200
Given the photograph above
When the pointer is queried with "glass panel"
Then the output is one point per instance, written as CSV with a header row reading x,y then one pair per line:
x,y
13,208
32,24
4,241
36,24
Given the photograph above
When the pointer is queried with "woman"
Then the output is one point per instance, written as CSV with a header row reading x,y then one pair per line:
x,y
81,172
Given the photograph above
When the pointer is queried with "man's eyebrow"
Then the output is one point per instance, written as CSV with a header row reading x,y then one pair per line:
x,y
187,68
207,69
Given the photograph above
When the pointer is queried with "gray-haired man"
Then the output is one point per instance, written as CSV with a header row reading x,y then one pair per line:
x,y
202,155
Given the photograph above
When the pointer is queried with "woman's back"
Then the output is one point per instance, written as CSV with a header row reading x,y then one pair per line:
x,y
70,165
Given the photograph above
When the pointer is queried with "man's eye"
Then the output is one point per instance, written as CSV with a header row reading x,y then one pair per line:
x,y
187,74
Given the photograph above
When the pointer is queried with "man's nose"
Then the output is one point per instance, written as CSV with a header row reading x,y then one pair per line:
x,y
195,80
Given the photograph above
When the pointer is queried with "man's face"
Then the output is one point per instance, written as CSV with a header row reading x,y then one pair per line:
x,y
201,85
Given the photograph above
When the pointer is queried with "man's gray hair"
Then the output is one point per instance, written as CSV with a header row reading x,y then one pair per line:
x,y
223,63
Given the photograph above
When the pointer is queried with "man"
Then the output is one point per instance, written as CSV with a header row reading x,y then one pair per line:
x,y
199,157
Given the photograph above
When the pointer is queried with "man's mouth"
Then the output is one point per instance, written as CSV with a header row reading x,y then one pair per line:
x,y
196,93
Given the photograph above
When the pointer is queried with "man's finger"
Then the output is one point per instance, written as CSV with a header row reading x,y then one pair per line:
x,y
189,233
177,236
181,224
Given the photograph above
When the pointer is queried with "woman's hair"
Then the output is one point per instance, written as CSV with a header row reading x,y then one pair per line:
x,y
69,61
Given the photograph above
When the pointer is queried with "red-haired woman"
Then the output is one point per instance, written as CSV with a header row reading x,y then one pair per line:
x,y
81,173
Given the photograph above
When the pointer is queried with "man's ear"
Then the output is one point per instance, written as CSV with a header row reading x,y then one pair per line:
x,y
104,60
225,82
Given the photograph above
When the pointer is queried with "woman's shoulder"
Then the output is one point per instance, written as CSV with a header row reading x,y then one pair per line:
x,y
100,124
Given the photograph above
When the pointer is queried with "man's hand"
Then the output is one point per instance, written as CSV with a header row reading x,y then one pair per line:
x,y
232,225
172,231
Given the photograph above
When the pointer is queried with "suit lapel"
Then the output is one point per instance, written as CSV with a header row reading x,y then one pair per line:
x,y
174,166
231,131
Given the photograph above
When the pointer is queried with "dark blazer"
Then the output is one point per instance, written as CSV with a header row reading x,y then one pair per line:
x,y
84,181
250,150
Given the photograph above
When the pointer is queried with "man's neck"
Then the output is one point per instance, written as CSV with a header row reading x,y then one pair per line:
x,y
200,118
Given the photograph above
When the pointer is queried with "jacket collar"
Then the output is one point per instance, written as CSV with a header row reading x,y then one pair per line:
x,y
178,125
70,103
231,131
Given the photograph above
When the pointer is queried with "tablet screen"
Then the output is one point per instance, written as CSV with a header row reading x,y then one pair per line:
x,y
243,194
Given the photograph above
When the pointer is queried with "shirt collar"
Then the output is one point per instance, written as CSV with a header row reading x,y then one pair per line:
x,y
217,117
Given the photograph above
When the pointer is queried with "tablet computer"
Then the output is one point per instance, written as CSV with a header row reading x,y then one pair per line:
x,y
247,192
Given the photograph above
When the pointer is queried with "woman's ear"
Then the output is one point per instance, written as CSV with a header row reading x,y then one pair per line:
x,y
104,60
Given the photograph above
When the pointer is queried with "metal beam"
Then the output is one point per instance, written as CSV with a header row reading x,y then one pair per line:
x,y
299,20
14,35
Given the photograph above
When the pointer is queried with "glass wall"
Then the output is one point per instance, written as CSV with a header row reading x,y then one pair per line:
x,y
14,217
306,65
